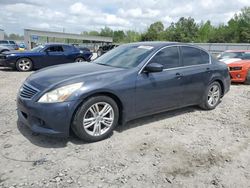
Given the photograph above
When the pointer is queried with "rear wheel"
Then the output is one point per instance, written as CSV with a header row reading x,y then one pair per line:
x,y
248,78
24,64
79,59
96,119
211,97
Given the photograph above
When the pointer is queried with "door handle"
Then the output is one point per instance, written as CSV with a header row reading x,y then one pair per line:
x,y
178,75
208,70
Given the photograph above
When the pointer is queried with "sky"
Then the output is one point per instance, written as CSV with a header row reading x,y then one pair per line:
x,y
75,16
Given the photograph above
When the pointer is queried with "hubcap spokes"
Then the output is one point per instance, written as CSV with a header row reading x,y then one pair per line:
x,y
24,65
213,95
79,60
98,119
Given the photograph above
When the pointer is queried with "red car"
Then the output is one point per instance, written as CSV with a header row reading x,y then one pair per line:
x,y
240,71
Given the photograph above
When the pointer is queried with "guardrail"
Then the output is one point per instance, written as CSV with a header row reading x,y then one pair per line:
x,y
216,48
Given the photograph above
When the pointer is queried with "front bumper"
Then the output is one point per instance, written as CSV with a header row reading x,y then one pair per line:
x,y
49,119
7,63
238,76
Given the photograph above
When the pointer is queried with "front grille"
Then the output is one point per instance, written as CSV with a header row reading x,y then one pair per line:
x,y
28,91
2,57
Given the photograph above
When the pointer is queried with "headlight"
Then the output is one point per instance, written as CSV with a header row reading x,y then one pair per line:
x,y
235,68
60,94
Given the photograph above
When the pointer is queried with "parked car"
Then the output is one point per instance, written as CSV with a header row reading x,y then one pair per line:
x,y
128,82
11,44
103,49
21,46
240,71
4,49
231,56
43,56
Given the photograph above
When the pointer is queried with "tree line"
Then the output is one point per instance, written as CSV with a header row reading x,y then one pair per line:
x,y
236,30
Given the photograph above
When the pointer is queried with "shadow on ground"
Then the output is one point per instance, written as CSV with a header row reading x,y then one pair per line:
x,y
55,142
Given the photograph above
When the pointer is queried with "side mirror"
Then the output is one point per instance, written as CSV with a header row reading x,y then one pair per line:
x,y
154,67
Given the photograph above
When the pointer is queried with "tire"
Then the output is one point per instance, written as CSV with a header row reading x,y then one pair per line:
x,y
212,96
99,53
248,78
79,59
94,129
24,65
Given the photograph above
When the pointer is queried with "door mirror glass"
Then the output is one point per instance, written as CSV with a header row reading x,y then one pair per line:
x,y
154,67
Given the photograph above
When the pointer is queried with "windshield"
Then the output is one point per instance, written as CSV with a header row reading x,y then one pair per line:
x,y
124,56
230,55
37,49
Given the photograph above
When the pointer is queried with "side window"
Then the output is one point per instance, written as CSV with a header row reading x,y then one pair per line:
x,y
68,48
204,57
168,57
12,42
194,56
246,55
55,49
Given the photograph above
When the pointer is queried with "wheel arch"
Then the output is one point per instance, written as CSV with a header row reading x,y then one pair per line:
x,y
221,85
102,93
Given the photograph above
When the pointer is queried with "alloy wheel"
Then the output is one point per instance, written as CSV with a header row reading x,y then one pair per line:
x,y
24,65
213,95
79,59
98,119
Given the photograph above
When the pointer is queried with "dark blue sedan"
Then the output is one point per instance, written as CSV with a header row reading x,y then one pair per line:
x,y
44,56
128,82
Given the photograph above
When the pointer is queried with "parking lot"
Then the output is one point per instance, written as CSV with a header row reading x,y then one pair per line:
x,y
182,148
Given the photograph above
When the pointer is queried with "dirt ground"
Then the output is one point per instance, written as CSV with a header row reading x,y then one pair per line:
x,y
181,148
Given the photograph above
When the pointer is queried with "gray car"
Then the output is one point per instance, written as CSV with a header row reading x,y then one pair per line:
x,y
12,45
128,82
4,49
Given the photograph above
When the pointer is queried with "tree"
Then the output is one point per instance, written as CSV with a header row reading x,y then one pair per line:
x,y
106,32
154,32
119,36
205,32
185,30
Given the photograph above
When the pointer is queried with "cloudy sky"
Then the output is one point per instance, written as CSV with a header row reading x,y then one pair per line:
x,y
83,15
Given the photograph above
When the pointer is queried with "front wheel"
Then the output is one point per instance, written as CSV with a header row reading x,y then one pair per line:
x,y
24,65
211,97
96,119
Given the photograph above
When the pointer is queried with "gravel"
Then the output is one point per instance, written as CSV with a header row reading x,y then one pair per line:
x,y
181,148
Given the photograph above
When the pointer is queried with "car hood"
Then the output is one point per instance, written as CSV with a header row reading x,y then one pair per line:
x,y
229,60
20,53
240,63
51,76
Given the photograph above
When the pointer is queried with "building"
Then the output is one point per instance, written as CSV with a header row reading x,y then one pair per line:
x,y
34,37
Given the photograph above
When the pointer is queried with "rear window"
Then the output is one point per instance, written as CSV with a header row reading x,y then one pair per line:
x,y
194,56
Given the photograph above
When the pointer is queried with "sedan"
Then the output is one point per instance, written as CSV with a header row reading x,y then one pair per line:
x,y
44,56
128,82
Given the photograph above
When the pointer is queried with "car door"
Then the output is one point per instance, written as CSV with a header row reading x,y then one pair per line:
x,y
54,55
160,90
195,73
